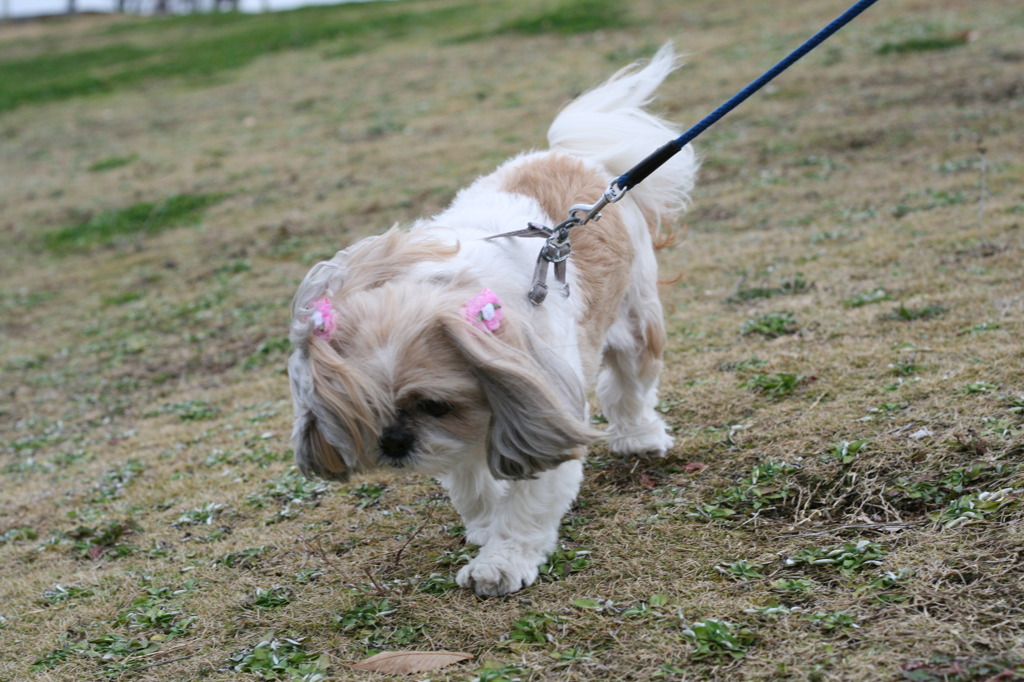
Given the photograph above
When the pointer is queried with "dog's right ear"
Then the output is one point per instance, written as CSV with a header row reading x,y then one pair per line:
x,y
313,454
537,402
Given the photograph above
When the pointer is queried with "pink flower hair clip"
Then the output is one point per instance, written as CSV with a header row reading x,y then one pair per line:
x,y
323,318
483,311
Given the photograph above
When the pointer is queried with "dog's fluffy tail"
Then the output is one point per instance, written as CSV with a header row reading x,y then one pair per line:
x,y
610,126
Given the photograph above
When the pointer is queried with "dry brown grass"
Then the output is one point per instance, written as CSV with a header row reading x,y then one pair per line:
x,y
136,388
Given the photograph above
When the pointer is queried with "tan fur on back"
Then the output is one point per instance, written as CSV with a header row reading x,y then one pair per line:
x,y
602,251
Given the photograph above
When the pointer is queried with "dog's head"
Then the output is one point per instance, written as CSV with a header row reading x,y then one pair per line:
x,y
391,370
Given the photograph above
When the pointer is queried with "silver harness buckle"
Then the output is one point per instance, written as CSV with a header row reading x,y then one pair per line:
x,y
557,249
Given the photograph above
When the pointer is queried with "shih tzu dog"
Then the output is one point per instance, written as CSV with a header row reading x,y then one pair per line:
x,y
419,350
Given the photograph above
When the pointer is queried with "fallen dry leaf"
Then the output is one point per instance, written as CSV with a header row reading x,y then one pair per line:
x,y
402,662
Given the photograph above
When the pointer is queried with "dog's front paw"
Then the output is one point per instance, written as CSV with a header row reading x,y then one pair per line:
x,y
647,439
491,575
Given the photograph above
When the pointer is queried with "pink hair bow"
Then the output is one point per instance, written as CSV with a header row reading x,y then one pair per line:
x,y
483,311
323,318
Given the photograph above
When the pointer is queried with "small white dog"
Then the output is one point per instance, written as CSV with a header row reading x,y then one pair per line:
x,y
418,349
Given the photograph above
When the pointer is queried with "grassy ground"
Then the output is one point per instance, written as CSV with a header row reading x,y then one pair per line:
x,y
845,374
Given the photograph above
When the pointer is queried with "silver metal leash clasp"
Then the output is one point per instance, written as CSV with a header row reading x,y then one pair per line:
x,y
584,213
557,249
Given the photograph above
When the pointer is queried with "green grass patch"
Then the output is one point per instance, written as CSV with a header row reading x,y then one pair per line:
x,y
122,298
926,44
111,162
846,451
905,314
831,622
372,623
794,589
569,18
849,558
771,325
929,200
563,562
18,534
368,494
273,598
65,593
200,516
533,628
718,640
112,483
977,507
244,559
279,658
116,651
52,77
741,570
939,489
765,491
267,352
775,385
200,46
744,365
792,285
102,540
889,587
945,668
905,368
189,411
980,328
145,218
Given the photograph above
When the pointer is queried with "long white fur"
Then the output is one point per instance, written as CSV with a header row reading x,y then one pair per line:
x,y
516,522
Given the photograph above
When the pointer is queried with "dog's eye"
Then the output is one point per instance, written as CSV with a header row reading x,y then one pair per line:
x,y
434,408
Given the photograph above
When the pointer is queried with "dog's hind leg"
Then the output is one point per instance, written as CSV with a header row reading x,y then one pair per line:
x,y
627,386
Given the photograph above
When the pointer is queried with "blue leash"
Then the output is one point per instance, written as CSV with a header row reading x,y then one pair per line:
x,y
638,173
556,250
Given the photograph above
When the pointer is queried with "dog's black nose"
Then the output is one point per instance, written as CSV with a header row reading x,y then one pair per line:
x,y
396,442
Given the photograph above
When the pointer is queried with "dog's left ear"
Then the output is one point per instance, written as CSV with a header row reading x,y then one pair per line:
x,y
537,402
